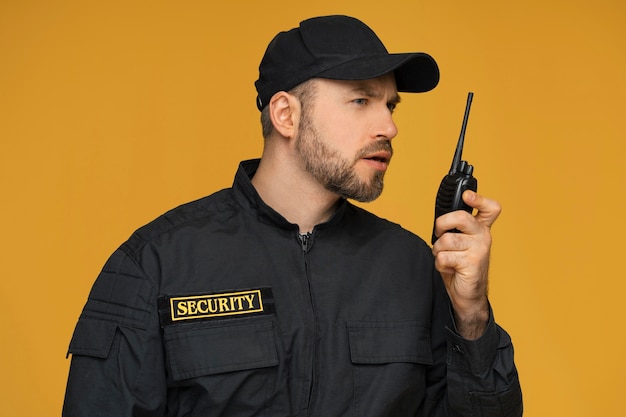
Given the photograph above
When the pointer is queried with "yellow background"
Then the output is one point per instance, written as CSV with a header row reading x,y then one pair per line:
x,y
114,112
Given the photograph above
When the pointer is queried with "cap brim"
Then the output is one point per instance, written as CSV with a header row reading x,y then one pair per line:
x,y
415,72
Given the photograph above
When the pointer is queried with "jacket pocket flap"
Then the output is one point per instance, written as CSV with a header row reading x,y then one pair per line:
x,y
92,337
388,342
196,351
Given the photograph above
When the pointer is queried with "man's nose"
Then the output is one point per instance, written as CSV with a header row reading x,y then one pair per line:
x,y
385,126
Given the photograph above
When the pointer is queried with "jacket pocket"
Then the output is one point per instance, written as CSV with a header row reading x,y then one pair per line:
x,y
194,351
389,360
387,342
92,337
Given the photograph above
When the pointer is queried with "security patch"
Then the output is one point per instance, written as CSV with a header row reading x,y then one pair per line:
x,y
215,306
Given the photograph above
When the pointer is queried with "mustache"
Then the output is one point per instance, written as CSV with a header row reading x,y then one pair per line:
x,y
378,146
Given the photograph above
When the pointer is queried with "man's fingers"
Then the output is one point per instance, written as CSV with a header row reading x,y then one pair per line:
x,y
487,210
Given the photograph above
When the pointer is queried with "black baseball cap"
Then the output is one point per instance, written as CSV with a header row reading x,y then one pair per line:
x,y
339,48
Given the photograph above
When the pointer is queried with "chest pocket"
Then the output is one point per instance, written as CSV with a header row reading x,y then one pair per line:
x,y
221,368
387,342
389,361
199,350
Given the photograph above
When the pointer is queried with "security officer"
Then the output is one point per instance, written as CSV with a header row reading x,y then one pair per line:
x,y
279,297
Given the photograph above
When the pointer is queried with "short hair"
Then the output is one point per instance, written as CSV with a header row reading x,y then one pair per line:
x,y
305,92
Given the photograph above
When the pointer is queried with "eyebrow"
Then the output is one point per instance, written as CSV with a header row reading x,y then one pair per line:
x,y
371,93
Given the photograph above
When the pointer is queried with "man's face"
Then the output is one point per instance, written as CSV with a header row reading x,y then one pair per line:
x,y
345,135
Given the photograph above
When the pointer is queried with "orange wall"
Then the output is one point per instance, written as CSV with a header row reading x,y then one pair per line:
x,y
113,112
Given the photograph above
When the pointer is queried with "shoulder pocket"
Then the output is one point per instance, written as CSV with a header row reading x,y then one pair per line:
x,y
92,337
383,342
194,351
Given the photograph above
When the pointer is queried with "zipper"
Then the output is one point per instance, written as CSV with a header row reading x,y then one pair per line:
x,y
305,243
305,239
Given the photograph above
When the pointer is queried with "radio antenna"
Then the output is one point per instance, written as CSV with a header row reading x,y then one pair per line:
x,y
456,161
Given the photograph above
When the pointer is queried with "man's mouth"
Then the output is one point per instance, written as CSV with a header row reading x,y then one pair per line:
x,y
383,157
378,155
378,160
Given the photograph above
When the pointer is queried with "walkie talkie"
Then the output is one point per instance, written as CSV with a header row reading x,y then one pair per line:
x,y
458,179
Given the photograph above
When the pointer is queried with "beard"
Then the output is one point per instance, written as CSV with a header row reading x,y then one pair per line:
x,y
335,172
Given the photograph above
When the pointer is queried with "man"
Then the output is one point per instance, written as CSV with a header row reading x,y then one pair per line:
x,y
278,297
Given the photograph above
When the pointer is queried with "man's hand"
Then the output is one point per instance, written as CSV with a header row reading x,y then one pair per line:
x,y
463,261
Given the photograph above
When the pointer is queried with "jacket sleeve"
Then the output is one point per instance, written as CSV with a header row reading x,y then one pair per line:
x,y
117,358
471,378
482,378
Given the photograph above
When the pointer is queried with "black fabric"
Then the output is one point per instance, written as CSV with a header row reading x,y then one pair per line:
x,y
339,48
360,327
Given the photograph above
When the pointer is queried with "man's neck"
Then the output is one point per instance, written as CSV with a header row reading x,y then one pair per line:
x,y
296,196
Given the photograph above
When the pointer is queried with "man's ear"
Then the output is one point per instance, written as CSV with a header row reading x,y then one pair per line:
x,y
284,111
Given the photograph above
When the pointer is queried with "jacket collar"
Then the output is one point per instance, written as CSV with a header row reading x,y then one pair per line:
x,y
248,198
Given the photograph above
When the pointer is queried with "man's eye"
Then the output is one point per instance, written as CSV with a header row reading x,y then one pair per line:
x,y
391,106
360,101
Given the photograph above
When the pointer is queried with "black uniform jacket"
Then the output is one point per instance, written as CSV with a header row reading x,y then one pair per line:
x,y
219,308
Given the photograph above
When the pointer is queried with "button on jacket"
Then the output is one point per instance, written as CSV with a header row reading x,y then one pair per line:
x,y
220,308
